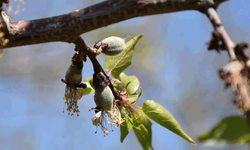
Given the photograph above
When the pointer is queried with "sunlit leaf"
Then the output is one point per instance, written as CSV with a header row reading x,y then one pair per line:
x,y
125,128
134,97
130,83
90,88
142,129
140,92
163,117
117,84
121,61
231,130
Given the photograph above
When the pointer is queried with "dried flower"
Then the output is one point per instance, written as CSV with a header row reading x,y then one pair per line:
x,y
105,117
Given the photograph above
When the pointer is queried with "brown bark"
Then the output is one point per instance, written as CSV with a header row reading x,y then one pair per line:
x,y
68,27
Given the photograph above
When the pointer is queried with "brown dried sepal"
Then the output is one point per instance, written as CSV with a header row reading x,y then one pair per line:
x,y
240,51
216,42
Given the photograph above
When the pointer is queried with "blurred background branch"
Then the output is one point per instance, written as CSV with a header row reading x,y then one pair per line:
x,y
239,82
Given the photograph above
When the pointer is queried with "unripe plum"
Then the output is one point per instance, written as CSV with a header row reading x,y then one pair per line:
x,y
115,45
104,98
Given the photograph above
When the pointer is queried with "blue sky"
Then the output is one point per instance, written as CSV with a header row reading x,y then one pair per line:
x,y
171,62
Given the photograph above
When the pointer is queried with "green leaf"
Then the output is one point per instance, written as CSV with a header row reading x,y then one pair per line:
x,y
90,88
134,97
130,83
163,117
125,128
120,62
231,130
140,92
142,129
117,84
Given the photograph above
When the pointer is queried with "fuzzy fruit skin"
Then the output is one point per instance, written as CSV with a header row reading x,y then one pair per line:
x,y
115,45
104,98
73,75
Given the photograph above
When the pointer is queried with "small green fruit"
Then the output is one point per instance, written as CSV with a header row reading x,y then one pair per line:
x,y
115,45
73,75
104,98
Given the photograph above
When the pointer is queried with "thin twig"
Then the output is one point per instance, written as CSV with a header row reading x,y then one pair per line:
x,y
215,20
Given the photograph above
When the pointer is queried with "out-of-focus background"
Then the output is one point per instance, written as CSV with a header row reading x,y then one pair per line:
x,y
171,61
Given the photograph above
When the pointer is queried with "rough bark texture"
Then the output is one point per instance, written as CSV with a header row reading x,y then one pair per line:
x,y
68,27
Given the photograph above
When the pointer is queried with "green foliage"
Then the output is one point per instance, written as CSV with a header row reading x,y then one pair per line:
x,y
134,96
90,88
128,86
126,126
142,129
119,63
130,83
163,117
231,130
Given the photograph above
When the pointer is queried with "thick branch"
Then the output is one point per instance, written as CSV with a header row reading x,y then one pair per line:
x,y
68,27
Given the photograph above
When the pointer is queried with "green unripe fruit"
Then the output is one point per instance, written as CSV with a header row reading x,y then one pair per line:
x,y
115,45
73,75
104,98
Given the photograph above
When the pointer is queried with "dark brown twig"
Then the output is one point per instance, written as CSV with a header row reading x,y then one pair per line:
x,y
81,45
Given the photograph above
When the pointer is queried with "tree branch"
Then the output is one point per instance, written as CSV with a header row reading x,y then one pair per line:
x,y
232,74
217,24
68,27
